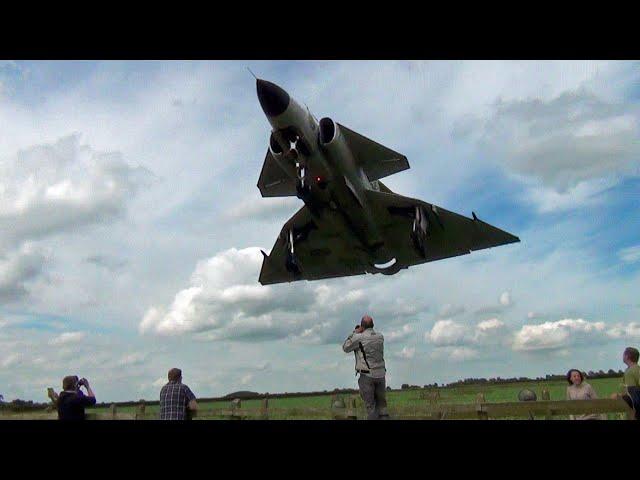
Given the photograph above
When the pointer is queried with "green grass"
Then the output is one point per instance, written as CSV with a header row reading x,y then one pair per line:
x,y
298,407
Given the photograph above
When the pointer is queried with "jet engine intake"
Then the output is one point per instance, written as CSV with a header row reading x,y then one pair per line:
x,y
328,131
274,146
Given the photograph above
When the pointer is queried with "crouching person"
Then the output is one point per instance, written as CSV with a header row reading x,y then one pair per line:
x,y
368,347
72,401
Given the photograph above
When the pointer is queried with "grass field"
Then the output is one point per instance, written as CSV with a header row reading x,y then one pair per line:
x,y
305,407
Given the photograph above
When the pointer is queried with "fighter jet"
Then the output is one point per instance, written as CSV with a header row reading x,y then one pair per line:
x,y
351,223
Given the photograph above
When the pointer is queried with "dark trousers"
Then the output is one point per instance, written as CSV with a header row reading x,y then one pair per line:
x,y
373,393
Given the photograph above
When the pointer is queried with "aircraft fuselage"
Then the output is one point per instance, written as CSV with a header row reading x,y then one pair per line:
x,y
316,155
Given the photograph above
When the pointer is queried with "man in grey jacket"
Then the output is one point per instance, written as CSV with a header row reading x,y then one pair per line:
x,y
368,346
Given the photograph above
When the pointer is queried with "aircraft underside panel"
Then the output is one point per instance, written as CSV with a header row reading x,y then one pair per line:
x,y
319,252
448,234
327,252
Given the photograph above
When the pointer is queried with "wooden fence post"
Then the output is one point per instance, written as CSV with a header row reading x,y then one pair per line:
x,y
480,400
141,411
431,397
546,396
338,408
352,412
236,404
264,413
114,411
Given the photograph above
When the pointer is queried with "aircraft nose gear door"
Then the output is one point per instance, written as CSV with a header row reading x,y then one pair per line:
x,y
292,262
419,231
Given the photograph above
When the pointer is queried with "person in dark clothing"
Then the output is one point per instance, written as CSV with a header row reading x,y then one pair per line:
x,y
72,401
633,400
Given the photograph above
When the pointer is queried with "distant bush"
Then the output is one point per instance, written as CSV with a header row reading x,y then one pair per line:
x,y
19,405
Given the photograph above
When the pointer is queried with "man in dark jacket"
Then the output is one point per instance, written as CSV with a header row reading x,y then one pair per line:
x,y
71,401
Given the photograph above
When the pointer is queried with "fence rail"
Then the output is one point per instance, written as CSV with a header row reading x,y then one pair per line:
x,y
544,409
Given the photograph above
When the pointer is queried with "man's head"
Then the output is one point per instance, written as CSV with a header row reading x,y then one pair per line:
x,y
630,355
366,322
70,383
175,375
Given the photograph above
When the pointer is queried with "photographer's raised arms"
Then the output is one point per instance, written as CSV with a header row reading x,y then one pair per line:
x,y
72,401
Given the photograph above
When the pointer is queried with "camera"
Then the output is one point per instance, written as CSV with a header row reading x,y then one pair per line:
x,y
82,382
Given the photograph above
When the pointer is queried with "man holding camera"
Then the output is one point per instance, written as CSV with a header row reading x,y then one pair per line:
x,y
71,401
177,401
368,347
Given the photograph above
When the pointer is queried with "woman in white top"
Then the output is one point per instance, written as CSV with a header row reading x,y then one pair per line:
x,y
578,389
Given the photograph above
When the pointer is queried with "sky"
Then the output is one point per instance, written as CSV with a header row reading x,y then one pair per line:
x,y
131,224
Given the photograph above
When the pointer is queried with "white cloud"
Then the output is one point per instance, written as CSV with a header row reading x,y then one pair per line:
x,y
505,299
225,301
68,338
132,359
584,193
17,268
572,146
159,382
407,353
246,379
461,354
447,332
12,360
51,188
628,331
504,302
400,334
455,354
573,137
449,311
630,254
558,334
489,325
264,209
314,334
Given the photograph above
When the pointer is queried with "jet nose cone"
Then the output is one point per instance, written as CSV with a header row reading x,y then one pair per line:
x,y
273,99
